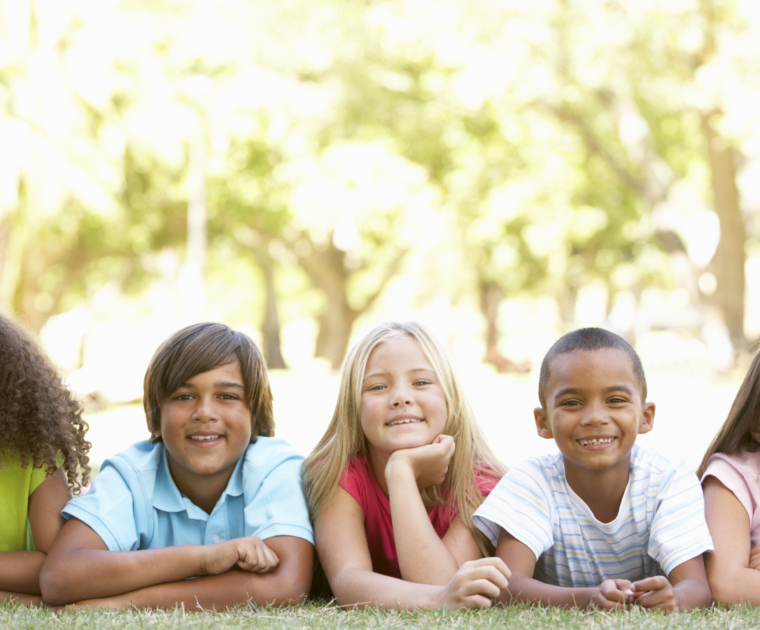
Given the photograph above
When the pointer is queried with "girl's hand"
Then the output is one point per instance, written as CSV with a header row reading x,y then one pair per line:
x,y
429,463
611,594
754,558
249,553
475,585
656,592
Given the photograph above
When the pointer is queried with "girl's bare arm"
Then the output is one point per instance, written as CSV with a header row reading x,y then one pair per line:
x,y
343,551
731,579
20,570
423,556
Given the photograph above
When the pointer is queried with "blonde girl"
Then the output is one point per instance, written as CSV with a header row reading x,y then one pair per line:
x,y
393,483
730,473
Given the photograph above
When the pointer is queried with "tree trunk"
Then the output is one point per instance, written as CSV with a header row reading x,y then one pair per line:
x,y
270,327
335,326
491,296
728,262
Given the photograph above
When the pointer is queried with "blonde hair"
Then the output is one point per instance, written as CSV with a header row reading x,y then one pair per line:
x,y
344,437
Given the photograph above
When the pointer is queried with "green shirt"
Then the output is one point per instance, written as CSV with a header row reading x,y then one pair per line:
x,y
16,486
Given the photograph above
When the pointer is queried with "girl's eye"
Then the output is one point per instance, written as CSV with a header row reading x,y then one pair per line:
x,y
421,383
375,388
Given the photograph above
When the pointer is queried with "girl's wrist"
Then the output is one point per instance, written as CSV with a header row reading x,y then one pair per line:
x,y
398,467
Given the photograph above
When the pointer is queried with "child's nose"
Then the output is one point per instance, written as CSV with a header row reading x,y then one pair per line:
x,y
205,410
400,397
595,414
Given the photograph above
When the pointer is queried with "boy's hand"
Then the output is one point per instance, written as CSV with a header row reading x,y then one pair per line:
x,y
754,558
655,592
476,584
429,463
611,594
249,553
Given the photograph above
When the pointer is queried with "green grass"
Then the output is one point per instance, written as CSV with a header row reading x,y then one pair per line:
x,y
314,616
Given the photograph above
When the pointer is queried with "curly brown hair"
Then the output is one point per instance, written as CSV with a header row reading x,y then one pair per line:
x,y
40,420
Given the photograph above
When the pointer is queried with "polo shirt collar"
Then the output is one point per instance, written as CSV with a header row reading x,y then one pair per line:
x,y
168,498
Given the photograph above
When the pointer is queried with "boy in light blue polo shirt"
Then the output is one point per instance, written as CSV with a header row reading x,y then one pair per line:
x,y
212,495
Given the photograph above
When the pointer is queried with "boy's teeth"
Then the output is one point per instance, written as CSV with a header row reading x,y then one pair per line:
x,y
596,441
204,437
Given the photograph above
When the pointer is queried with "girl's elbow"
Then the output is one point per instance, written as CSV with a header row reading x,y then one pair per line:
x,y
53,586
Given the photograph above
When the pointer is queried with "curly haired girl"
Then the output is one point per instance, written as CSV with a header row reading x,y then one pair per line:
x,y
43,450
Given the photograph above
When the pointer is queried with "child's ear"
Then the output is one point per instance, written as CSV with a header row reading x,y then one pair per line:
x,y
542,423
755,433
647,418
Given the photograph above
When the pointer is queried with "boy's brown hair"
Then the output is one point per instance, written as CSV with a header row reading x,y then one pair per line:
x,y
200,348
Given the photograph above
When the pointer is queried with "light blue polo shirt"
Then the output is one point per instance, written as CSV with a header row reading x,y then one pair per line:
x,y
135,504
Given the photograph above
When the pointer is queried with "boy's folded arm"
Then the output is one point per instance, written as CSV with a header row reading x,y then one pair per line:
x,y
80,566
728,572
288,584
523,588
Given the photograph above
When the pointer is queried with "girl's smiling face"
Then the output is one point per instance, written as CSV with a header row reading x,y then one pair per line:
x,y
402,402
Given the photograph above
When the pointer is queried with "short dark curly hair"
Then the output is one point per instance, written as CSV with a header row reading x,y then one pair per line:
x,y
589,339
40,420
200,348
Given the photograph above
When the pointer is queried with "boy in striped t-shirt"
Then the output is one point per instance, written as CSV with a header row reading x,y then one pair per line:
x,y
604,522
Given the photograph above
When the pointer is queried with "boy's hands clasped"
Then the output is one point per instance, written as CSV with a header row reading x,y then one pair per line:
x,y
248,553
653,592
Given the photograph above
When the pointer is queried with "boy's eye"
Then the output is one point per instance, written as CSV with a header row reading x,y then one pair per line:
x,y
617,399
570,403
183,397
228,397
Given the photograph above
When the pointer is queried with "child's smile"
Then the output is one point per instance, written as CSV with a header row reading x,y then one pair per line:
x,y
402,403
206,427
594,409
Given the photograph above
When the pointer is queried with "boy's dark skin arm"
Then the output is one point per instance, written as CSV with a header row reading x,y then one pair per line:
x,y
20,570
81,570
686,589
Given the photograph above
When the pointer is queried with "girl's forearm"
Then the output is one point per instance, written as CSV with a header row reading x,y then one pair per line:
x,y
357,587
738,586
78,574
422,555
525,589
20,571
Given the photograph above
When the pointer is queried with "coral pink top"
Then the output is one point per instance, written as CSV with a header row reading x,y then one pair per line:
x,y
360,482
741,475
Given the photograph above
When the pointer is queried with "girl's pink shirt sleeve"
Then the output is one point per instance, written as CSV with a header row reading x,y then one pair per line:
x,y
741,475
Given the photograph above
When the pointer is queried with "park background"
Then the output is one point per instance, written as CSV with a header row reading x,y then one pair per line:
x,y
303,170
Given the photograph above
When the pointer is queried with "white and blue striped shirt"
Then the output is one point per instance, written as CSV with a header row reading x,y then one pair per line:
x,y
661,522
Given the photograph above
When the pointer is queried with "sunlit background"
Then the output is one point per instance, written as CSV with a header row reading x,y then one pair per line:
x,y
503,171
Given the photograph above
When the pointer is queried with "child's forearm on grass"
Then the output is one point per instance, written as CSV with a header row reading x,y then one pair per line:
x,y
216,592
525,589
692,593
74,575
20,598
422,555
357,587
20,571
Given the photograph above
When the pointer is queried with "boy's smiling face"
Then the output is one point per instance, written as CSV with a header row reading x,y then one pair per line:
x,y
206,428
594,409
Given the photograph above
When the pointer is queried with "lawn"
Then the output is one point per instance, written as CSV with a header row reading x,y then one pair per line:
x,y
313,616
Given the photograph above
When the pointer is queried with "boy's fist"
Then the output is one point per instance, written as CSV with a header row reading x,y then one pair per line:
x,y
656,592
613,593
249,553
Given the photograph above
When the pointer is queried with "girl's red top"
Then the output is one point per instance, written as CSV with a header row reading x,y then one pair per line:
x,y
359,481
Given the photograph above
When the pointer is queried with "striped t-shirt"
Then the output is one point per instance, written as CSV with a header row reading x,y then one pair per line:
x,y
661,522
